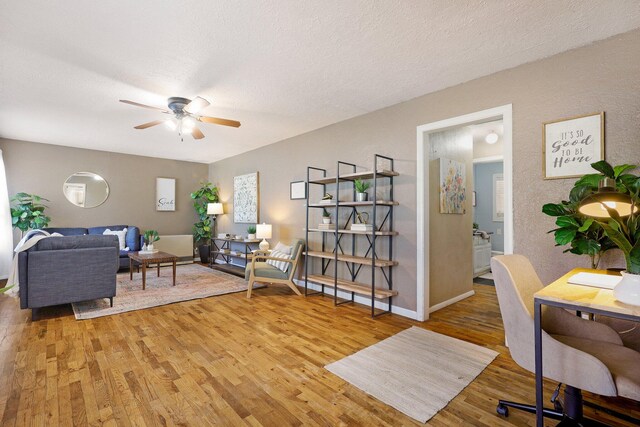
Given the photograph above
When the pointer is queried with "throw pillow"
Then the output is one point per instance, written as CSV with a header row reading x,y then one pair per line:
x,y
280,265
283,248
121,234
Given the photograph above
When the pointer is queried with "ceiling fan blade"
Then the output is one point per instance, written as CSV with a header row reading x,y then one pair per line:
x,y
218,121
148,125
197,133
137,104
196,105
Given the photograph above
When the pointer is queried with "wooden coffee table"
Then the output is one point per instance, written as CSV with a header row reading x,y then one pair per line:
x,y
144,260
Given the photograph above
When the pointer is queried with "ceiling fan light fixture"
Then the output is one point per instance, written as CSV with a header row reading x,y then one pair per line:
x,y
171,124
196,105
491,138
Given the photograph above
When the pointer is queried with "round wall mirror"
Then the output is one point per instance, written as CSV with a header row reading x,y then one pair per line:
x,y
86,189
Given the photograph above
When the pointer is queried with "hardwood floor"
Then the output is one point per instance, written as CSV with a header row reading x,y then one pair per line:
x,y
227,360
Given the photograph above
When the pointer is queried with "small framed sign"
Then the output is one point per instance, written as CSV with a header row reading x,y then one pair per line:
x,y
569,146
165,194
298,190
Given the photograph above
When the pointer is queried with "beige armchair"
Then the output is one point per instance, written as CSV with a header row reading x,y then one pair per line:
x,y
260,271
582,354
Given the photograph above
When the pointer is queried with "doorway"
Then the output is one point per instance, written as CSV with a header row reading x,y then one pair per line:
x,y
428,136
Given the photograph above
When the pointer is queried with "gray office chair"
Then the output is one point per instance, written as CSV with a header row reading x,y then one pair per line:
x,y
582,354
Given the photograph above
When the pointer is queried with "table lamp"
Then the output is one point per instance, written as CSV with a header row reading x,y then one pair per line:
x,y
263,231
596,204
214,209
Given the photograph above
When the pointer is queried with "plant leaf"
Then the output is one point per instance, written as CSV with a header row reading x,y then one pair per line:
x,y
567,221
585,226
591,180
620,169
564,235
579,192
604,167
553,209
633,262
617,237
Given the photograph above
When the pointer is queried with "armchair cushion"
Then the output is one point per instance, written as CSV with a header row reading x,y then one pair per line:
x,y
280,265
262,269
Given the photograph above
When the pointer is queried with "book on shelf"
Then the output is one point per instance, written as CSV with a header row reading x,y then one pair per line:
x,y
326,226
361,227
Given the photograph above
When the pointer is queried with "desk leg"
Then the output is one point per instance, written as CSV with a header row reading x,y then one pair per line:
x,y
538,357
158,269
144,275
130,269
174,273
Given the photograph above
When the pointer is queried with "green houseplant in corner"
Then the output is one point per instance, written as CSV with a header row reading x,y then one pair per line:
x,y
27,212
207,193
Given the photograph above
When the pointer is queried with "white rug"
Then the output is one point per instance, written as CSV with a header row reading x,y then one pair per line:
x,y
416,371
193,281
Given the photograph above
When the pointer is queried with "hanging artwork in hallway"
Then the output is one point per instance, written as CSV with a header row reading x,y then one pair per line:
x,y
452,186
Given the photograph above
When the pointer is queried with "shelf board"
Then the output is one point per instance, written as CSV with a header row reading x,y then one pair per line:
x,y
354,176
354,204
243,256
345,285
343,231
236,270
350,258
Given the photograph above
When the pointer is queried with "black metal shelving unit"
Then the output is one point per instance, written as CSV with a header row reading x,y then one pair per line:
x,y
332,250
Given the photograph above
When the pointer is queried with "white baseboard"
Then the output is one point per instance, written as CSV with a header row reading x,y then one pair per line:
x,y
411,314
448,302
494,253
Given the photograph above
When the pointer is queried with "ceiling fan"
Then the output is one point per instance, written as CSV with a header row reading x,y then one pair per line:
x,y
185,116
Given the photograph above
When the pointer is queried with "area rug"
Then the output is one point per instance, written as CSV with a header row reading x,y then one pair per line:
x,y
416,371
193,281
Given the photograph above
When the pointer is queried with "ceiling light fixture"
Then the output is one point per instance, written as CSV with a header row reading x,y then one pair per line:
x,y
492,138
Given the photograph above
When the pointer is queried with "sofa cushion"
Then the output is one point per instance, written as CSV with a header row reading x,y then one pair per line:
x,y
132,238
265,270
75,242
67,231
121,236
124,253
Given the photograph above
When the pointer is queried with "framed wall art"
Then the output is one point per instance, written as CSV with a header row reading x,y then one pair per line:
x,y
452,186
245,199
165,194
569,146
298,190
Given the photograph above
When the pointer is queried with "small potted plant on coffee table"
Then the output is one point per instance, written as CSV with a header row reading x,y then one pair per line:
x,y
151,236
251,230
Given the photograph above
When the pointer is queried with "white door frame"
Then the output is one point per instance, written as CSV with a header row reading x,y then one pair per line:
x,y
503,112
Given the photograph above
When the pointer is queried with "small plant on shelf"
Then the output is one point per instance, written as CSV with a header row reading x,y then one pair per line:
x,y
326,216
361,190
251,230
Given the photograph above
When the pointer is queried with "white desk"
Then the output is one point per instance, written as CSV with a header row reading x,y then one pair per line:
x,y
579,298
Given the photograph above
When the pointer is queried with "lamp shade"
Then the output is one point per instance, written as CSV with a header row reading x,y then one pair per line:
x,y
607,197
263,231
214,209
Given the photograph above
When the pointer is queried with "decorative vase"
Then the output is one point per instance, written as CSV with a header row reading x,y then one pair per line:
x,y
204,251
326,220
251,236
362,197
150,247
628,290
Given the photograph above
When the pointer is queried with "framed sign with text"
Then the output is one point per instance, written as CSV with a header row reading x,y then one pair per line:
x,y
570,145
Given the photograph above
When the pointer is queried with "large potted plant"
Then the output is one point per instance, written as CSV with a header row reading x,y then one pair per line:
x,y
622,230
27,212
207,193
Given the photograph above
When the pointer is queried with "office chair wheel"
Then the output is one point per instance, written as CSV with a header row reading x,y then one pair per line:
x,y
502,410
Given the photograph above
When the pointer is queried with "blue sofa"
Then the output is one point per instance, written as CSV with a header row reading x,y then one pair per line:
x,y
133,239
62,270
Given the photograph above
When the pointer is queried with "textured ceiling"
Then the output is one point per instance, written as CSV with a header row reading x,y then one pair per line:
x,y
282,68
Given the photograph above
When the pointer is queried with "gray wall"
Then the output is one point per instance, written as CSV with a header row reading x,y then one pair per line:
x,y
600,77
42,169
483,212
